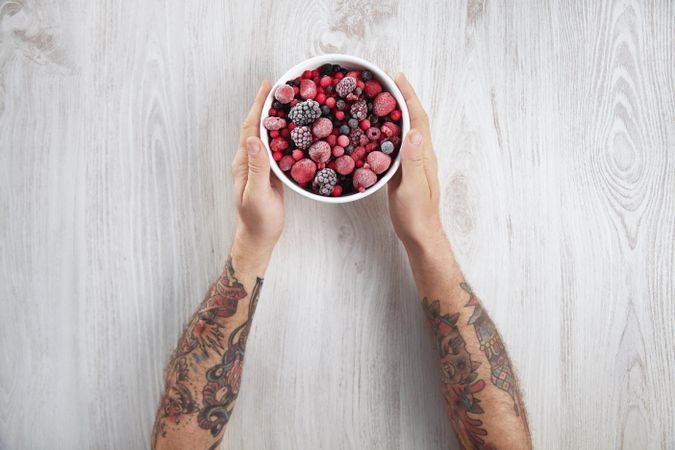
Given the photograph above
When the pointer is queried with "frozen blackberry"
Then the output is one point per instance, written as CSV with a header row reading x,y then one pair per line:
x,y
355,136
302,137
344,129
353,123
366,75
345,86
324,182
305,112
359,110
340,105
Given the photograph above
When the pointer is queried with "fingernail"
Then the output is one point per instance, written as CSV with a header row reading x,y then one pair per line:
x,y
253,147
415,137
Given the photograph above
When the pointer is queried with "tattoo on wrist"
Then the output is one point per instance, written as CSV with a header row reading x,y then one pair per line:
x,y
202,340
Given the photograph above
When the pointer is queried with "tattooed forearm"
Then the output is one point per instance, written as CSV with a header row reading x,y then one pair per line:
x,y
204,374
471,353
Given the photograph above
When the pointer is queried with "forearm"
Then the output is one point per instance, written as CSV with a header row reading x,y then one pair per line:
x,y
479,385
204,373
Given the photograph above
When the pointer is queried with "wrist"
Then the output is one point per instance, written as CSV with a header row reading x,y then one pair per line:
x,y
250,253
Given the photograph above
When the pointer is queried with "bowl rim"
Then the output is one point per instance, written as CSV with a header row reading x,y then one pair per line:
x,y
350,62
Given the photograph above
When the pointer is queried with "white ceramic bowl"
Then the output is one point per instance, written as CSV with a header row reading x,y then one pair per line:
x,y
349,62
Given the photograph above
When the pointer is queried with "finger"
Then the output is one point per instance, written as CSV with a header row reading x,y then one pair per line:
x,y
413,173
251,125
418,116
258,167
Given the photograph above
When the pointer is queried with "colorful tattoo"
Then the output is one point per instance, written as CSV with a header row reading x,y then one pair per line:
x,y
491,344
203,339
459,377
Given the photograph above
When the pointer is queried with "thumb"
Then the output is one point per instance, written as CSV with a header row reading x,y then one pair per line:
x,y
412,159
258,165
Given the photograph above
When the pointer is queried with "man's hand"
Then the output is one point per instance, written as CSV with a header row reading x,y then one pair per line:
x,y
259,196
414,192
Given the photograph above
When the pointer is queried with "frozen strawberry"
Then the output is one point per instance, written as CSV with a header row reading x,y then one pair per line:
x,y
363,179
320,151
344,165
307,89
303,171
383,104
378,162
274,123
284,94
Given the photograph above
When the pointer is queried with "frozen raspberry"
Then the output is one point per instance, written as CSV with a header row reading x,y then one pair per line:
x,y
324,182
320,151
305,112
307,89
344,165
383,104
378,162
278,144
363,179
373,133
302,137
372,88
303,171
352,97
356,135
284,94
286,163
390,129
274,123
387,147
359,110
345,86
322,127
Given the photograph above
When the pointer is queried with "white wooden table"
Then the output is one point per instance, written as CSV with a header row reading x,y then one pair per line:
x,y
554,124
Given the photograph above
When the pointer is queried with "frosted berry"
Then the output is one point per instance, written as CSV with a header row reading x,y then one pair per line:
x,y
358,153
337,191
307,89
305,112
319,151
356,135
390,129
372,88
359,110
344,129
378,162
345,86
277,156
343,140
284,94
302,137
383,104
303,171
395,115
322,127
274,123
330,102
353,123
373,133
364,124
286,163
344,165
387,147
297,154
340,104
324,182
338,151
363,179
278,144
366,75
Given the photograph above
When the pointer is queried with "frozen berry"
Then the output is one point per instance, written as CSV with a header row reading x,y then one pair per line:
x,y
337,191
302,137
322,127
340,104
372,88
358,91
274,133
363,179
303,171
387,147
358,153
278,144
277,156
383,104
325,81
356,135
339,115
307,89
338,151
343,140
305,112
378,162
366,75
373,133
345,86
344,129
297,154
349,149
274,123
390,129
286,163
325,110
395,115
353,123
319,151
324,182
330,102
364,124
284,93
344,165
359,110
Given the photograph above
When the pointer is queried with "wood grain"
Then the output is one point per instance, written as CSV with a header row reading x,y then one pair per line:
x,y
554,128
